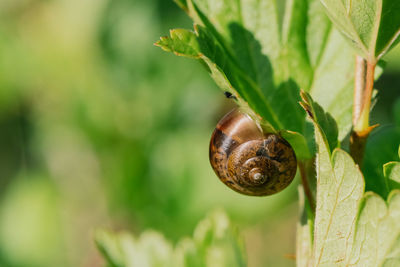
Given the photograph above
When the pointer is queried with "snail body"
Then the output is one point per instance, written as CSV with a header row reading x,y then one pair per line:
x,y
249,161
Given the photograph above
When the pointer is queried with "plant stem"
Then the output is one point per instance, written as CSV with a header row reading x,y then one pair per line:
x,y
359,85
306,185
363,87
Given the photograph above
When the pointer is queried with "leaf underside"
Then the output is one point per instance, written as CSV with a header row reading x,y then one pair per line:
x,y
351,227
371,26
263,53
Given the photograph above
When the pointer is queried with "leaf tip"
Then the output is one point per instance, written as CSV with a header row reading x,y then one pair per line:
x,y
307,108
157,43
305,103
305,97
162,43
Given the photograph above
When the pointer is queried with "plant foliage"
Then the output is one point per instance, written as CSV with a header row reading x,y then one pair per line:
x,y
270,55
263,52
372,26
351,227
214,243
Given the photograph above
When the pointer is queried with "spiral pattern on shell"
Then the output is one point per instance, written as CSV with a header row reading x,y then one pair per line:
x,y
248,160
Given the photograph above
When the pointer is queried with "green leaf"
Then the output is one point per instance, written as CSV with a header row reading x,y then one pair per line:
x,y
391,263
321,118
333,82
182,43
394,255
350,228
108,244
381,148
263,58
378,230
339,192
214,243
217,243
224,71
299,143
295,42
371,26
122,250
391,171
340,188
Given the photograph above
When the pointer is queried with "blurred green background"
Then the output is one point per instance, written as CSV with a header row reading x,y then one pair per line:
x,y
99,128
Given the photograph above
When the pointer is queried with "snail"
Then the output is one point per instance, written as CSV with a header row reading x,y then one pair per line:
x,y
248,160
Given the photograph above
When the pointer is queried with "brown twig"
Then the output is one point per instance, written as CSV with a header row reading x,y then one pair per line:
x,y
306,185
363,87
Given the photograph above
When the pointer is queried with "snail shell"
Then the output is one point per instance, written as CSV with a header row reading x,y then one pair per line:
x,y
248,160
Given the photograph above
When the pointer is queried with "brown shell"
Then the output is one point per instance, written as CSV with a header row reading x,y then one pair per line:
x,y
249,161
